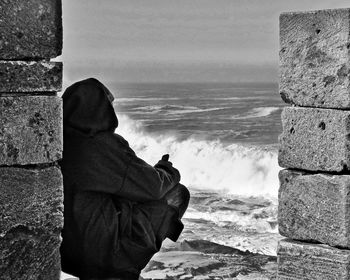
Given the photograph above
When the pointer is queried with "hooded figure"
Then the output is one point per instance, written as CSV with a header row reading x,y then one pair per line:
x,y
117,208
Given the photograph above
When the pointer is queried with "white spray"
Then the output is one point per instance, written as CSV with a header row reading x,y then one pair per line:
x,y
234,169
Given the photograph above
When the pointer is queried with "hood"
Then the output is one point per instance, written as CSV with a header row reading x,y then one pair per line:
x,y
87,107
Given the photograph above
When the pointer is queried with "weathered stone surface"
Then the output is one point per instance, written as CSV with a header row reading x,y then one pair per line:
x,y
305,261
20,76
315,207
30,130
26,256
31,199
314,58
30,29
315,139
31,218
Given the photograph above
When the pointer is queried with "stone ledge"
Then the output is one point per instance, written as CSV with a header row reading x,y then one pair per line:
x,y
30,130
315,207
315,139
30,29
21,76
297,260
314,58
26,256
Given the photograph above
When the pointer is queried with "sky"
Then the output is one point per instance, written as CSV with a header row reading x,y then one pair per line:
x,y
176,40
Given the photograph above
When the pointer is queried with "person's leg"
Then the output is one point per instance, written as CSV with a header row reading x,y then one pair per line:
x,y
179,198
152,222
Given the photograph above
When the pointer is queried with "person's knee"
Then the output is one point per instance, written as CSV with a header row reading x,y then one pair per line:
x,y
179,198
185,194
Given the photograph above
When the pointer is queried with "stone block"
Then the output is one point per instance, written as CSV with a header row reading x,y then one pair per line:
x,y
31,219
31,200
30,130
306,261
314,58
30,29
315,139
21,76
25,256
315,207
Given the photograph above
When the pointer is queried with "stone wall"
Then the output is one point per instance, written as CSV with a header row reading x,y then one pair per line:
x,y
31,186
314,194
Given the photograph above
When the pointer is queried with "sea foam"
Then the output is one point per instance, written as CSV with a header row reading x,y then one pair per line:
x,y
173,109
209,165
258,113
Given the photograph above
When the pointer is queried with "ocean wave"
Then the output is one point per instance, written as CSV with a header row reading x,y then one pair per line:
x,y
250,225
234,98
233,219
261,91
208,98
252,214
164,108
146,98
210,165
174,109
257,113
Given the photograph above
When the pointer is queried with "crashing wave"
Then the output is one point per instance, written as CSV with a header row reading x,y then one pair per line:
x,y
210,165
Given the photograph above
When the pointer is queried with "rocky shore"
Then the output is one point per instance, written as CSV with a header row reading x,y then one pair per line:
x,y
200,259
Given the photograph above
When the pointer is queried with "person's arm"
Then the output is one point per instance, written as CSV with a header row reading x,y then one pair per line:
x,y
117,170
144,182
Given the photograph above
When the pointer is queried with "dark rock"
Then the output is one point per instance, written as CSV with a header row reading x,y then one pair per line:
x,y
315,139
20,76
314,207
297,260
30,29
30,130
209,247
31,219
314,55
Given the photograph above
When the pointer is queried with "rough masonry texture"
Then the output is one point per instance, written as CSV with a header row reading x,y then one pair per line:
x,y
31,218
30,130
315,139
305,261
31,199
20,76
31,139
315,207
314,58
30,29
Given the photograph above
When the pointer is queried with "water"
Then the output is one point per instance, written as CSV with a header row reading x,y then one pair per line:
x,y
231,113
223,139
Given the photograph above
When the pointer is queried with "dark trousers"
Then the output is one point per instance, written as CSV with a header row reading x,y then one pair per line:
x,y
136,231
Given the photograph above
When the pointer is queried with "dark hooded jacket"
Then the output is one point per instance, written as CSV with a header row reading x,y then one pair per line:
x,y
115,217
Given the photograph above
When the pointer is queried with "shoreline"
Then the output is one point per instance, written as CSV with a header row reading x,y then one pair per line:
x,y
201,260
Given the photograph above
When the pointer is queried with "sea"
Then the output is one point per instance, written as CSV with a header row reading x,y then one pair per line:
x,y
223,138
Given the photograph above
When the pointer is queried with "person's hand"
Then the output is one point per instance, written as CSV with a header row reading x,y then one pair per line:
x,y
165,157
165,162
167,166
